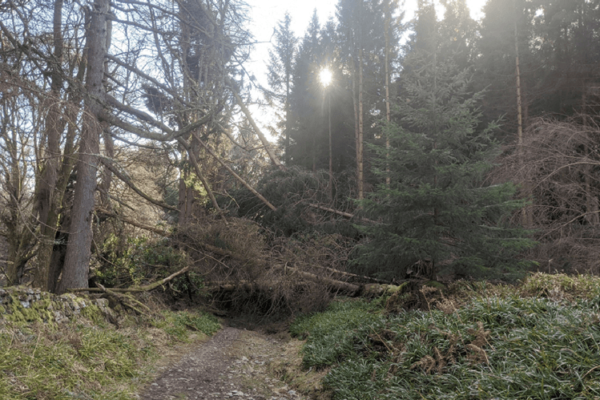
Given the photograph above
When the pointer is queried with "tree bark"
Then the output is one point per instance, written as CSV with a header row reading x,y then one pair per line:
x,y
287,117
76,269
330,147
359,160
526,213
387,90
46,193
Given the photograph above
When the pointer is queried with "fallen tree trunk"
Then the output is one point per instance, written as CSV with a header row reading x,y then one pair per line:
x,y
338,286
135,289
351,275
342,213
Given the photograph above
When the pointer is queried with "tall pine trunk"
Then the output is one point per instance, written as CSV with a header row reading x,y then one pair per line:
x,y
76,269
287,117
387,89
526,213
330,147
359,160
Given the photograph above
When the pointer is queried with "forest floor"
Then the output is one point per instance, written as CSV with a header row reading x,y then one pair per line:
x,y
234,363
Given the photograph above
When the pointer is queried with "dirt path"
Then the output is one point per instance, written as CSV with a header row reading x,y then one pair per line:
x,y
231,365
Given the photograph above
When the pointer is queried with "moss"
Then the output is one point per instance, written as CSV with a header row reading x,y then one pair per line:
x,y
84,359
436,284
38,310
562,286
92,312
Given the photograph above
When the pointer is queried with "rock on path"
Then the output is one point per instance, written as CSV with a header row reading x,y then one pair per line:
x,y
231,365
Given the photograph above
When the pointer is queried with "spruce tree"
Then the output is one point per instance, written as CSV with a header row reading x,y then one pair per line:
x,y
280,67
437,215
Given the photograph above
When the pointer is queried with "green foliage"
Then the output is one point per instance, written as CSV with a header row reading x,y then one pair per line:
x,y
493,348
291,191
331,332
178,324
83,360
134,261
562,286
437,211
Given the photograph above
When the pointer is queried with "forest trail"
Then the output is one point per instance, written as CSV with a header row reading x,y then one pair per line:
x,y
233,364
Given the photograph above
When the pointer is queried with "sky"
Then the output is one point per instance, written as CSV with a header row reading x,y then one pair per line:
x,y
266,14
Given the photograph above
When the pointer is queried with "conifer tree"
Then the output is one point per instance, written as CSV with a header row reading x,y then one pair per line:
x,y
436,214
280,67
306,118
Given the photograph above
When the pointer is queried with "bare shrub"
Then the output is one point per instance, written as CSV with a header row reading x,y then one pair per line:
x,y
557,168
249,275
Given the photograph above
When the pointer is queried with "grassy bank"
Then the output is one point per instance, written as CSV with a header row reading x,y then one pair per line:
x,y
540,340
84,359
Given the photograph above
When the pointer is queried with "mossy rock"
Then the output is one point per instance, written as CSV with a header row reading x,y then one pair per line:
x,y
22,305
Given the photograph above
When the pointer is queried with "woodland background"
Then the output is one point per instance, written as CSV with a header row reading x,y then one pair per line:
x,y
443,147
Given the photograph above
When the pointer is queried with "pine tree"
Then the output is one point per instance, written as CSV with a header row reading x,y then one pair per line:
x,y
362,32
437,216
280,67
307,120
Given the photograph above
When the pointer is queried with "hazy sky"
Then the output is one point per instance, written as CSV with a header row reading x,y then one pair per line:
x,y
266,14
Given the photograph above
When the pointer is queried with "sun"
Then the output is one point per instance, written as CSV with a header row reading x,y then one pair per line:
x,y
325,76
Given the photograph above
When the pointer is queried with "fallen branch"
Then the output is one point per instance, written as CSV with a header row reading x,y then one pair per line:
x,y
349,274
131,222
332,210
262,137
124,299
134,289
342,213
236,176
339,286
109,164
201,177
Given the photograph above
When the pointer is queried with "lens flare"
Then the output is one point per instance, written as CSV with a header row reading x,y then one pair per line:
x,y
325,76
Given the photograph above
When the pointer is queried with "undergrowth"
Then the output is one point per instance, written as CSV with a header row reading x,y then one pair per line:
x,y
83,360
540,340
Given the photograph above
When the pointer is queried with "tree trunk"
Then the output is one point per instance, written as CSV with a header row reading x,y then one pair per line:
x,y
359,160
287,119
355,105
330,147
75,273
387,90
526,213
47,267
46,194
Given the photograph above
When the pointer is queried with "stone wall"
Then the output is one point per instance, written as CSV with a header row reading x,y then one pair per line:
x,y
21,304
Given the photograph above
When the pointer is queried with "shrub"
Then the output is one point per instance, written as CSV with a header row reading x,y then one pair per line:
x,y
493,348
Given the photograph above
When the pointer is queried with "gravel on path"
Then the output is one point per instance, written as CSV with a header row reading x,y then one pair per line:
x,y
231,365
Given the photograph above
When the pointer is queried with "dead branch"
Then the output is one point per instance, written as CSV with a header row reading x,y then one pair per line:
x,y
331,210
200,176
261,136
131,222
339,286
126,300
342,213
351,275
232,172
109,164
135,289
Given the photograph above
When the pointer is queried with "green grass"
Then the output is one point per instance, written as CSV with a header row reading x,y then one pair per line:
x,y
499,347
83,360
